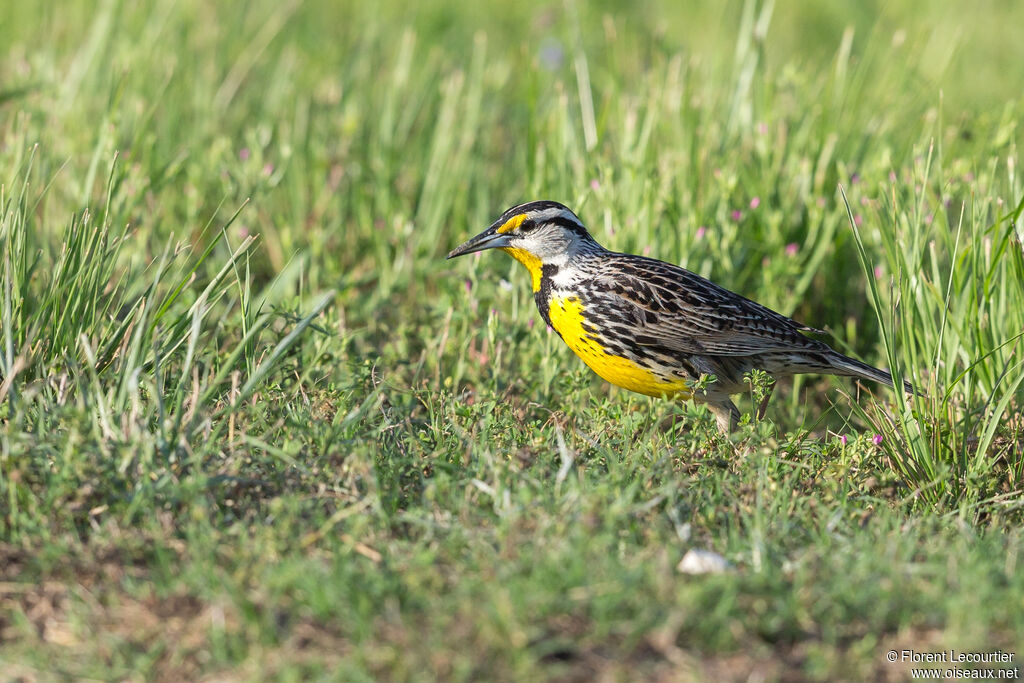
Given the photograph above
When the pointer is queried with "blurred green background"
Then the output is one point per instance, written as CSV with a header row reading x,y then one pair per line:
x,y
300,444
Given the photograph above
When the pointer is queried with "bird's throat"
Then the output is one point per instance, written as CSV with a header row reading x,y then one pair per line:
x,y
532,263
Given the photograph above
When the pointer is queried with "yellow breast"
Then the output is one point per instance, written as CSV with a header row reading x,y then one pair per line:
x,y
566,314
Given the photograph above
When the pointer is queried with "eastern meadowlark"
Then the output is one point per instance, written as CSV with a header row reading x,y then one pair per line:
x,y
649,326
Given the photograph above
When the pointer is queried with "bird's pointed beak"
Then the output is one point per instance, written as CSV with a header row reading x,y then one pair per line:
x,y
488,239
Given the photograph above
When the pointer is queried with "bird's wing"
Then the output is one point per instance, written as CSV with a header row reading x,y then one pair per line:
x,y
672,308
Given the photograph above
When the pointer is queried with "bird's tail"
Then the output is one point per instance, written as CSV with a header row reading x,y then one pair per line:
x,y
851,367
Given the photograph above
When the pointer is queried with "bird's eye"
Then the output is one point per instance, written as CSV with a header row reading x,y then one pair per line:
x,y
527,227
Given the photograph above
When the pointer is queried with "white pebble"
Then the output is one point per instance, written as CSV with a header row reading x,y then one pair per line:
x,y
703,562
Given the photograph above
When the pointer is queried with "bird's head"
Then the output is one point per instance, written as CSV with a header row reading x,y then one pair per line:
x,y
536,234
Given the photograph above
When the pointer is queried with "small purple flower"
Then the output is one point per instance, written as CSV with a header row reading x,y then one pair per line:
x,y
892,176
820,202
858,220
468,285
855,178
928,219
529,323
736,214
595,185
755,202
551,54
877,439
243,154
842,439
878,272
762,128
701,231
792,248
646,251
268,169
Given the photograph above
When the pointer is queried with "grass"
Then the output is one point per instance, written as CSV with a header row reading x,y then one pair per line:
x,y
255,426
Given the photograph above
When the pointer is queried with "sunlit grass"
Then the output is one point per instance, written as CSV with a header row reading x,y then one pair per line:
x,y
255,425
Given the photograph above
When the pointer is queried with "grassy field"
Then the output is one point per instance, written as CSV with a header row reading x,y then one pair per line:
x,y
255,426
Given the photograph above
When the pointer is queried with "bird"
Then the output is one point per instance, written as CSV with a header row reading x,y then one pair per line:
x,y
652,327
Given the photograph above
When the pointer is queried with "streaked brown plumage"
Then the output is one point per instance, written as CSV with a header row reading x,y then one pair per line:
x,y
650,326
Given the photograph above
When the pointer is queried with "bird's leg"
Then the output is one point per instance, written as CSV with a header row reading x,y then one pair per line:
x,y
763,405
726,415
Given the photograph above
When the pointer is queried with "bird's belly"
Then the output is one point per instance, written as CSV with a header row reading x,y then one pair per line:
x,y
567,318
